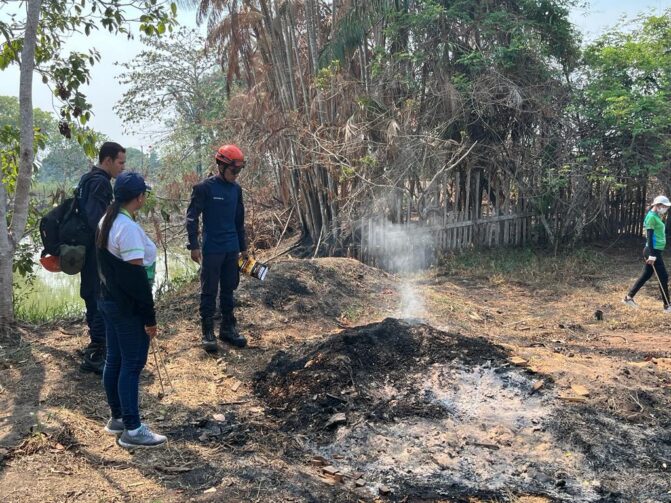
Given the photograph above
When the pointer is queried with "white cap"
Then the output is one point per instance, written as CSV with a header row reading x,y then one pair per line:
x,y
661,200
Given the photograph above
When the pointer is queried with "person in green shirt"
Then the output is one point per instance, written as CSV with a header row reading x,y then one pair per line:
x,y
655,231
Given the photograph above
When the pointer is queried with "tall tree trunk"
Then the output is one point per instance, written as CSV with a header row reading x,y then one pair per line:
x,y
6,259
292,32
312,26
290,68
313,51
12,235
274,52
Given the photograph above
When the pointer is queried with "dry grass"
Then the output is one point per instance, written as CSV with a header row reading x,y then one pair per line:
x,y
51,416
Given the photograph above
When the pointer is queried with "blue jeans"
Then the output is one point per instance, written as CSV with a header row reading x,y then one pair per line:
x,y
127,349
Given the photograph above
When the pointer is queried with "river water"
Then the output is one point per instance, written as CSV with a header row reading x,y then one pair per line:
x,y
56,295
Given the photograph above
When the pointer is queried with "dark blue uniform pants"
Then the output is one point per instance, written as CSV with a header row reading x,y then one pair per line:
x,y
218,272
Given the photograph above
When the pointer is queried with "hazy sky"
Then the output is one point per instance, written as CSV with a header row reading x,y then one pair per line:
x,y
105,91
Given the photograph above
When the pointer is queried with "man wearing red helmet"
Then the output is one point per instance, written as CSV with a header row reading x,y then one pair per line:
x,y
219,199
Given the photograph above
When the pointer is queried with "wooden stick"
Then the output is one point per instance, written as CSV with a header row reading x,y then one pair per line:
x,y
286,226
165,369
319,241
158,368
666,299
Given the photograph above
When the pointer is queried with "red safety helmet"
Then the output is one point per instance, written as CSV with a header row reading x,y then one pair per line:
x,y
230,154
51,263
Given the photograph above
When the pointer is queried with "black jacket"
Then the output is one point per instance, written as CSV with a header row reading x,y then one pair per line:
x,y
95,194
128,285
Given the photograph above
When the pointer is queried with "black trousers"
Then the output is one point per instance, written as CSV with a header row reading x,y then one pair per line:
x,y
89,290
648,272
218,272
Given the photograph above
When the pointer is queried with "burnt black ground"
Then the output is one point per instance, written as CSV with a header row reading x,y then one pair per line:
x,y
343,373
305,388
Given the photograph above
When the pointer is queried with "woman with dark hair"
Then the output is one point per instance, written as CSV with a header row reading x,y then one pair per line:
x,y
126,261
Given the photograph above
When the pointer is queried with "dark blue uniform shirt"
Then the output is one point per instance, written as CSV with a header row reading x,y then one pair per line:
x,y
220,203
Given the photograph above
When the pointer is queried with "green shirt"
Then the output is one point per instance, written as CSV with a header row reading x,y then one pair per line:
x,y
652,221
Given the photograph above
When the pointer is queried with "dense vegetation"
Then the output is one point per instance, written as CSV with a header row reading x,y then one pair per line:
x,y
402,108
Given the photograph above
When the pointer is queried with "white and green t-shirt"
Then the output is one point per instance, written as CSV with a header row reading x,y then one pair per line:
x,y
654,222
128,241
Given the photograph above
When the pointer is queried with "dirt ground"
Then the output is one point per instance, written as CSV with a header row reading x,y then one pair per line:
x,y
466,384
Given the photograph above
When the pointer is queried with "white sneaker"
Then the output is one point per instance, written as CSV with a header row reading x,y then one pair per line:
x,y
629,301
667,309
143,437
114,426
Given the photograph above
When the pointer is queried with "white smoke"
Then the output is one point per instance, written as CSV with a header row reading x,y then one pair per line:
x,y
404,249
412,302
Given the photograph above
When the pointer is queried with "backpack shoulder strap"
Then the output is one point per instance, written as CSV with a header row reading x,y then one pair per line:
x,y
83,182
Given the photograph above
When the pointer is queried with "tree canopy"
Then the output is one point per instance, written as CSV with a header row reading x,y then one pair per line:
x,y
175,89
625,99
36,43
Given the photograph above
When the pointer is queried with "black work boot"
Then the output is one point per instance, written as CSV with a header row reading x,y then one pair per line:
x,y
208,341
228,332
93,359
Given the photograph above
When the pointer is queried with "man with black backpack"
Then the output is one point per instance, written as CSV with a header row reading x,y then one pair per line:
x,y
94,194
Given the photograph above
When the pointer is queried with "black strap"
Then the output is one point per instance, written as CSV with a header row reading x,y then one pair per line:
x,y
83,182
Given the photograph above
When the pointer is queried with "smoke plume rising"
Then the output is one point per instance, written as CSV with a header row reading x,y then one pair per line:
x,y
403,249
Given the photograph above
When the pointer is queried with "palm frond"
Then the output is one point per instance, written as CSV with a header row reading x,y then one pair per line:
x,y
351,29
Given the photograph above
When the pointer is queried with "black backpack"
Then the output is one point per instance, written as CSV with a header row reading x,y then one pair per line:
x,y
66,224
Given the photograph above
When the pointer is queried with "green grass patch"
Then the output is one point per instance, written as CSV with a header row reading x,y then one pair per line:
x,y
35,308
177,281
47,296
525,265
43,296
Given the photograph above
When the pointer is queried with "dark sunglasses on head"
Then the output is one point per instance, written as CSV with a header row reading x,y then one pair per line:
x,y
237,167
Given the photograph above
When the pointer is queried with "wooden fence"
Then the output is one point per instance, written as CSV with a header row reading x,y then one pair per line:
x,y
481,212
411,245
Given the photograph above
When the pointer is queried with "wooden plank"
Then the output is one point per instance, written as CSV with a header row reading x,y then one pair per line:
x,y
477,207
525,236
445,199
409,212
467,212
506,232
458,232
360,250
630,214
455,232
482,221
370,239
457,191
506,210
